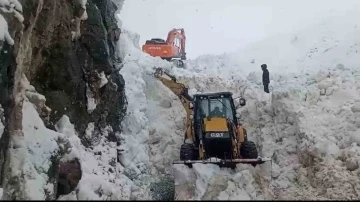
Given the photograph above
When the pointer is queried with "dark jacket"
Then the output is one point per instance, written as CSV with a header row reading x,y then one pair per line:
x,y
266,76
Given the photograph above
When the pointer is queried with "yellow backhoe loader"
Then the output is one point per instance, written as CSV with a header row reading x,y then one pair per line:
x,y
213,133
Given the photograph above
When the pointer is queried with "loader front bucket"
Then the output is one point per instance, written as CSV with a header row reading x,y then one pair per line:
x,y
230,163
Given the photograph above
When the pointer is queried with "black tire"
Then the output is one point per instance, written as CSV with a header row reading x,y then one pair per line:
x,y
178,63
181,64
248,150
187,152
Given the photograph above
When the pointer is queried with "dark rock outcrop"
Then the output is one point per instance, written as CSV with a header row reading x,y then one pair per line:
x,y
68,71
69,176
68,59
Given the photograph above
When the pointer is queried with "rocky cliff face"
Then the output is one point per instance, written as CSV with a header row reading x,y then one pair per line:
x,y
67,51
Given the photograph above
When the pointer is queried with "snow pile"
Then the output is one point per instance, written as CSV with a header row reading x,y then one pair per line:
x,y
136,125
32,151
9,6
102,177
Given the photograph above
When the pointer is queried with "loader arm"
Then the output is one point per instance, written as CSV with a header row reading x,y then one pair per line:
x,y
181,91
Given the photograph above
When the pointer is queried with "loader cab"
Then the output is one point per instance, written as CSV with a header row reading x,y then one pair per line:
x,y
213,105
212,112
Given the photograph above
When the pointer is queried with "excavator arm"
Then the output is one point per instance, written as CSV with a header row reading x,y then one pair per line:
x,y
181,91
178,34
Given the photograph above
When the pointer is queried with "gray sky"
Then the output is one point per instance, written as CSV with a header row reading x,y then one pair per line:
x,y
218,26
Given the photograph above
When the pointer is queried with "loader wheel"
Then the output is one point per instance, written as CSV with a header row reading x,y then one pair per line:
x,y
187,152
181,64
248,150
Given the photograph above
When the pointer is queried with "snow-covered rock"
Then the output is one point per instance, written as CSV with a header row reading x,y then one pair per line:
x,y
9,6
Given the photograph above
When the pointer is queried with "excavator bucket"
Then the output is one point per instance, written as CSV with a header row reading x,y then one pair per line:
x,y
178,63
225,162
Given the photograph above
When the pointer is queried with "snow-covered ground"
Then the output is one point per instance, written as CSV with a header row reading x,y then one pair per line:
x,y
308,124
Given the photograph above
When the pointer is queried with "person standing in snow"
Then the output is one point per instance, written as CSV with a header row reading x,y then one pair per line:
x,y
265,78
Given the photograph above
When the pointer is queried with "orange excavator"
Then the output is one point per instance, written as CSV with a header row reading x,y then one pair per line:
x,y
172,50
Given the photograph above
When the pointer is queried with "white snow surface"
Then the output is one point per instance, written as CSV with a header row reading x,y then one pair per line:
x,y
31,151
102,178
308,124
103,80
9,6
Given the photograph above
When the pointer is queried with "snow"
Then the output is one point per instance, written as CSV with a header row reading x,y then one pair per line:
x,y
77,33
31,153
34,147
4,33
41,145
103,80
102,178
91,101
9,6
83,5
308,124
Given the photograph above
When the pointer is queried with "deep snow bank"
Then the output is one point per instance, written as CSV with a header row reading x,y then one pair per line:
x,y
308,125
135,155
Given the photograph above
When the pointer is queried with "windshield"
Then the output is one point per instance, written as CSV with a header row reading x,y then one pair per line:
x,y
219,107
